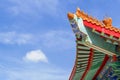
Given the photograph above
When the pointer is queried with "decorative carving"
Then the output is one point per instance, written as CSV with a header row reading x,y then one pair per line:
x,y
108,22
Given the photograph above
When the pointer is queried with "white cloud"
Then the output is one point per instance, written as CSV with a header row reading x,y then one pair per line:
x,y
33,6
55,38
37,75
33,72
50,39
35,56
15,38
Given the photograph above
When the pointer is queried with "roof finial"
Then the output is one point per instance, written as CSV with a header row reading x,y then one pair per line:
x,y
108,22
78,9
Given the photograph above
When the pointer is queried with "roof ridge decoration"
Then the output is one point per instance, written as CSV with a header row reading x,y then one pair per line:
x,y
88,18
105,23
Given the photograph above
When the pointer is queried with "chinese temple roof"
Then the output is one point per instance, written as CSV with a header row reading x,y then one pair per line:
x,y
104,26
97,48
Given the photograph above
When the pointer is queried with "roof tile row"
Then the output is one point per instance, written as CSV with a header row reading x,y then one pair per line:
x,y
106,23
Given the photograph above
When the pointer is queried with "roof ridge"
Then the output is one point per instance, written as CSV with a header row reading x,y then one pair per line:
x,y
106,22
89,18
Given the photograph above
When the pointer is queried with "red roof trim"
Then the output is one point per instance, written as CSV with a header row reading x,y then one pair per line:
x,y
101,29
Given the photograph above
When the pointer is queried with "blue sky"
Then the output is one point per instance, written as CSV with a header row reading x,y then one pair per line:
x,y
36,40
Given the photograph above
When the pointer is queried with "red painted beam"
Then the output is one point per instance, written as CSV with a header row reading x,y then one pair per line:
x,y
101,29
89,64
72,73
106,58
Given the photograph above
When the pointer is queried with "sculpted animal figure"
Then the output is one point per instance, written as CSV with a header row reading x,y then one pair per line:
x,y
107,22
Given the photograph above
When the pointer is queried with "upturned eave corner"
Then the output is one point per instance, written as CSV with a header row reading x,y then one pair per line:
x,y
70,16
